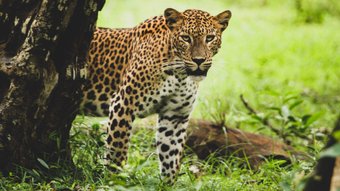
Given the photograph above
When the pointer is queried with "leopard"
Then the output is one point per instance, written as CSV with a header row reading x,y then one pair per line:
x,y
153,68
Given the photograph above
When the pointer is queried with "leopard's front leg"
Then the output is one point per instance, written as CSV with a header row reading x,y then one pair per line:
x,y
171,135
119,127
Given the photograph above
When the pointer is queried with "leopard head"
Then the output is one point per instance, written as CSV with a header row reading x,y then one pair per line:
x,y
196,37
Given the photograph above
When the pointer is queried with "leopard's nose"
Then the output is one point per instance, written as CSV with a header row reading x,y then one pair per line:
x,y
198,61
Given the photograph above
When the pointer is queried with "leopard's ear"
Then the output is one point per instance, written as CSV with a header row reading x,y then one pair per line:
x,y
223,19
173,18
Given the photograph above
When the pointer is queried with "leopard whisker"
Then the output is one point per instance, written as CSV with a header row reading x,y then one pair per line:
x,y
206,65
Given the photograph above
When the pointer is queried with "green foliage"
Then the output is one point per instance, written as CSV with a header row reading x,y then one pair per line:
x,y
311,11
293,124
315,11
141,172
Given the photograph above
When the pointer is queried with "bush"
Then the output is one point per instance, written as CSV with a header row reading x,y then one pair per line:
x,y
311,11
314,11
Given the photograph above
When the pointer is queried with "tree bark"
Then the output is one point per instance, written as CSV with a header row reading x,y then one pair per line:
x,y
326,167
43,50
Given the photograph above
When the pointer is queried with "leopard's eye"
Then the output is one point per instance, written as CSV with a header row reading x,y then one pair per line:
x,y
209,38
186,38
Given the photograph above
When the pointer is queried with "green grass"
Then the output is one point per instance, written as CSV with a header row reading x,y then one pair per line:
x,y
141,173
269,56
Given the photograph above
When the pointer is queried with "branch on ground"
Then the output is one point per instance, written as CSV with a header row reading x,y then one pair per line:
x,y
266,123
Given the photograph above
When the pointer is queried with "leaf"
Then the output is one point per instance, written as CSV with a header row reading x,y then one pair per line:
x,y
291,118
313,118
285,111
333,151
305,118
96,126
274,108
289,97
43,163
294,104
256,117
292,127
285,186
336,135
35,173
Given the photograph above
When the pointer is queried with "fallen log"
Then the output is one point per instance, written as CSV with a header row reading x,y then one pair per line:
x,y
205,138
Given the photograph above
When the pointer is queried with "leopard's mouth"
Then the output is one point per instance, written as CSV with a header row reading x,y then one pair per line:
x,y
197,72
193,69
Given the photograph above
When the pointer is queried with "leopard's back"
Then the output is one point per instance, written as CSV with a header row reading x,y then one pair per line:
x,y
107,60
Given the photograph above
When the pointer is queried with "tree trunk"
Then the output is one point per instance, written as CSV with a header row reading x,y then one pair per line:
x,y
326,167
43,50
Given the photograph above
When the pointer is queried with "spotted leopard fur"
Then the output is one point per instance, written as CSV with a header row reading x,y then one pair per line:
x,y
154,67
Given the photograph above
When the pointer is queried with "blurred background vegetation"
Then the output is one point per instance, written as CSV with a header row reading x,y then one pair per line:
x,y
275,53
282,56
